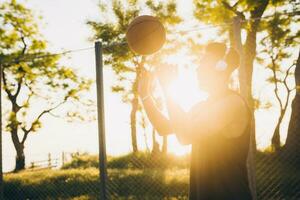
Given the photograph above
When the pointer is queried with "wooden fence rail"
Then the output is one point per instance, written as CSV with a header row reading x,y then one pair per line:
x,y
47,164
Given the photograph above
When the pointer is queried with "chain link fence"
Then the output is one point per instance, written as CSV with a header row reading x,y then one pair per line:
x,y
152,175
143,176
146,176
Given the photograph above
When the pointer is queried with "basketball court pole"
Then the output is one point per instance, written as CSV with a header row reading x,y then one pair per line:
x,y
101,122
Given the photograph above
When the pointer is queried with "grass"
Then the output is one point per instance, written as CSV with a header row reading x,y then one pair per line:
x,y
51,184
84,183
140,177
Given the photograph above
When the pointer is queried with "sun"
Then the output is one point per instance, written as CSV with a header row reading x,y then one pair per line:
x,y
186,93
185,90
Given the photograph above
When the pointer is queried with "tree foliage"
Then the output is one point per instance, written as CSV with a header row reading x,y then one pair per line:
x,y
31,75
127,65
279,38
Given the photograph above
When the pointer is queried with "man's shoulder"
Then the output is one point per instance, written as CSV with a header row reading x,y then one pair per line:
x,y
233,101
236,100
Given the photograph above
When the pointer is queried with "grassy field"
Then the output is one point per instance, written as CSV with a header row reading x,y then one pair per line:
x,y
71,183
140,177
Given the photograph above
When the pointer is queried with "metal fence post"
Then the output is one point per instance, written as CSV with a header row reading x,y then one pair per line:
x,y
1,169
101,121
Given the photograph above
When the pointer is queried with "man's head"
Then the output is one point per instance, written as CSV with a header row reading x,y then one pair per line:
x,y
216,66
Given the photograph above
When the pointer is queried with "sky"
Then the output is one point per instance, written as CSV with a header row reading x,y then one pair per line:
x,y
64,26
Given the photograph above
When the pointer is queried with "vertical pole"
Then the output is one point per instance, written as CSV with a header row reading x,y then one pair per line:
x,y
1,169
101,122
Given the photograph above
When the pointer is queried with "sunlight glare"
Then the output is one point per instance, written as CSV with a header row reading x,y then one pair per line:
x,y
186,93
185,90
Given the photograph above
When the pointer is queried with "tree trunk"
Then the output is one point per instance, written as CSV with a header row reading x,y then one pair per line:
x,y
165,145
155,146
276,138
19,147
20,161
248,53
245,80
249,56
134,108
292,145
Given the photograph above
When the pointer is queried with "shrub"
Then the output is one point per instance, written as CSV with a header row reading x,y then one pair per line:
x,y
82,161
141,160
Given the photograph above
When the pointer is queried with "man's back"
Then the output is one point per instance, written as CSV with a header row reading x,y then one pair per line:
x,y
218,167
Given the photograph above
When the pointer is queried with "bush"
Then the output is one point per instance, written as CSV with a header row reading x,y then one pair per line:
x,y
141,160
82,161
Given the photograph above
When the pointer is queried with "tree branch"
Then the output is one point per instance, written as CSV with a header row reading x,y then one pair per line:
x,y
233,9
8,92
25,45
12,97
20,82
276,84
27,131
54,115
19,58
286,76
25,135
288,96
29,95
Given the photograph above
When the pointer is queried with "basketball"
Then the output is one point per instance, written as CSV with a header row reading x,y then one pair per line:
x,y
145,35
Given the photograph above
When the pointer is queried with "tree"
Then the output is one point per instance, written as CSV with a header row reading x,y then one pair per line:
x,y
292,145
31,75
275,49
125,64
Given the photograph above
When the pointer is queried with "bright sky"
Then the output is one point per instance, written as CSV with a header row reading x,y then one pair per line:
x,y
63,25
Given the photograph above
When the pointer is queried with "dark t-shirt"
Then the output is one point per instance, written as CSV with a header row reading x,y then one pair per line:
x,y
218,168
